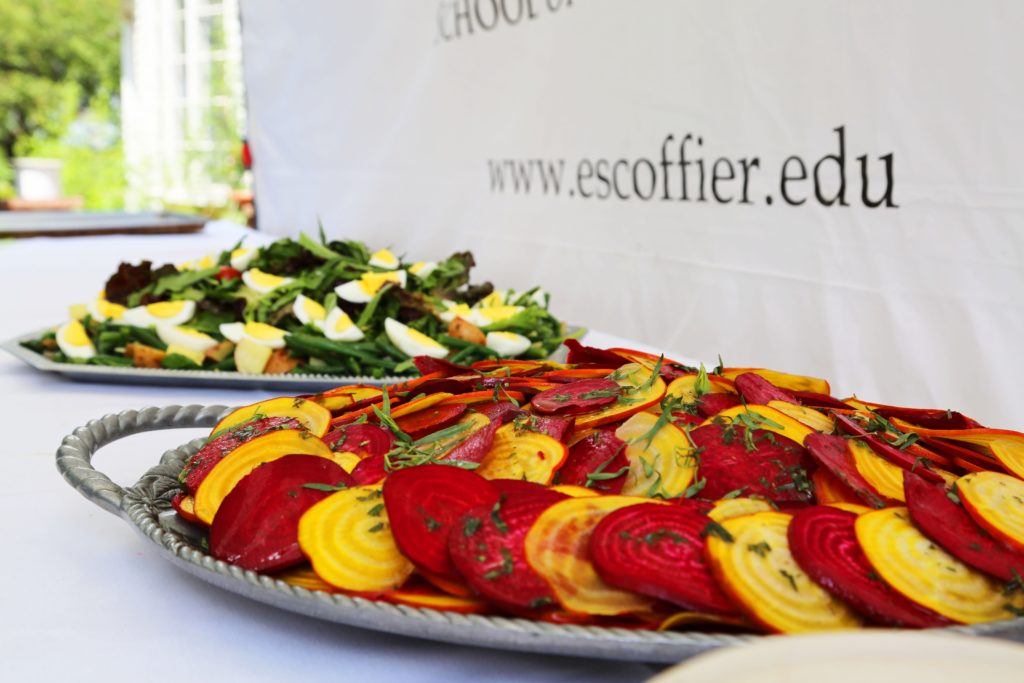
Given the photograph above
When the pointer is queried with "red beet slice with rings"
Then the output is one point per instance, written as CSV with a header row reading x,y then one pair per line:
x,y
765,464
364,439
427,365
577,397
370,470
257,525
486,547
890,453
598,462
813,399
658,550
928,418
199,465
423,502
757,390
500,411
831,452
558,428
578,353
429,420
823,542
710,405
950,526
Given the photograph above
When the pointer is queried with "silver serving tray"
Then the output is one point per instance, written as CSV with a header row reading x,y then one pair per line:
x,y
146,507
221,379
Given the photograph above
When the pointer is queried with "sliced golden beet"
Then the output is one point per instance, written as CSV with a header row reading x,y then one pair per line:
x,y
685,387
337,400
1006,446
519,453
247,457
474,397
851,507
419,404
923,572
575,491
348,540
313,416
641,388
763,417
728,508
783,379
557,549
661,460
996,502
685,620
751,559
884,477
425,595
303,576
809,417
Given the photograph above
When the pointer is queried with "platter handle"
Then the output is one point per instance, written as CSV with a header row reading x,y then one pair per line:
x,y
74,457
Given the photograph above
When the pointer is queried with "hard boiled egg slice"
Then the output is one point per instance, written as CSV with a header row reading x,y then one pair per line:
x,y
413,342
383,259
101,310
241,257
361,291
187,338
264,283
507,344
74,342
339,327
160,313
308,311
198,264
492,299
233,332
258,333
423,269
456,311
489,315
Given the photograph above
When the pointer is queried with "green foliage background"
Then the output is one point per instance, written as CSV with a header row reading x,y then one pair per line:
x,y
60,59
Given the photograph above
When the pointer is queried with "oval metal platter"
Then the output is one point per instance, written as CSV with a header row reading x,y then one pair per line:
x,y
146,507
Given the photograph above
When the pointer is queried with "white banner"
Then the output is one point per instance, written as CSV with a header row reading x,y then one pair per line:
x,y
830,188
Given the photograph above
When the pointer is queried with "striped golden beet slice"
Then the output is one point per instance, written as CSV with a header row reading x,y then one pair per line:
x,y
751,559
640,390
996,502
922,571
884,477
660,457
311,415
557,549
348,540
763,417
783,379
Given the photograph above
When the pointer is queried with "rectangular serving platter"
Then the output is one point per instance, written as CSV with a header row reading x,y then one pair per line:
x,y
220,379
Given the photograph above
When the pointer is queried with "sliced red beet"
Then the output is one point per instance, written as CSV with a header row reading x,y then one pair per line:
x,y
760,463
257,525
831,452
950,526
694,504
681,418
486,547
882,448
959,454
927,417
429,420
370,470
581,396
521,487
594,460
757,390
500,411
427,365
658,550
578,353
558,428
812,399
199,465
710,405
423,502
823,542
364,439
476,446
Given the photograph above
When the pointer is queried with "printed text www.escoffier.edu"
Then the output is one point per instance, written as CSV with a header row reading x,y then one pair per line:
x,y
682,172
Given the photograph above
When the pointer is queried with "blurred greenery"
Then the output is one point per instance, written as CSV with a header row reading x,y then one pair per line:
x,y
60,64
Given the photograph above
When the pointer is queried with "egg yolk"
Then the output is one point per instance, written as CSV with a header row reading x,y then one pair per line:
x,y
492,300
460,311
265,280
263,331
165,309
417,268
372,282
343,323
420,338
498,313
510,336
313,310
74,334
383,259
110,310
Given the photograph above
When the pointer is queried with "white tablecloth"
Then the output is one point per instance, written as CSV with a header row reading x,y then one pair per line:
x,y
83,598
